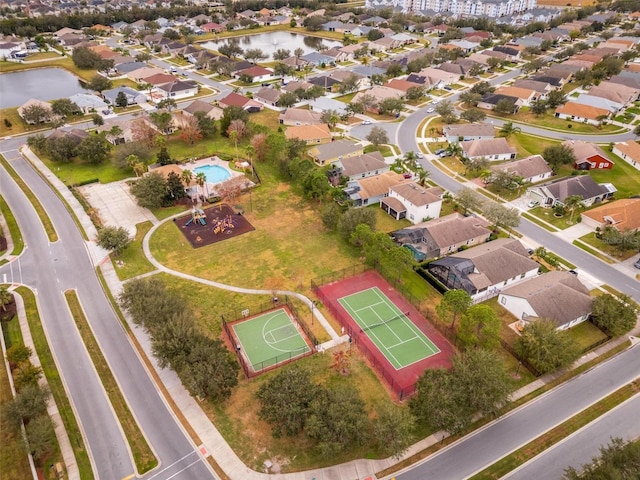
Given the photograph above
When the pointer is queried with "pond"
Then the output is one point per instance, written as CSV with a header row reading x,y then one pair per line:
x,y
272,41
41,83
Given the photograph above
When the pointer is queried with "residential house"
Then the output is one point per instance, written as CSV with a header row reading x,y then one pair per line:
x,y
296,85
615,92
128,128
88,103
335,151
324,104
465,45
468,131
490,100
371,190
267,95
378,92
133,96
525,95
437,78
257,73
298,116
362,166
337,26
140,74
235,99
484,270
622,215
531,169
35,102
588,155
317,59
336,54
182,117
369,70
311,134
177,90
444,235
75,135
630,79
212,27
342,75
541,87
629,151
554,193
384,44
557,296
493,149
582,113
413,202
402,86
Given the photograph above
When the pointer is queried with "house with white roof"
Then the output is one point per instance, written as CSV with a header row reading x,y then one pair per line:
x,y
413,202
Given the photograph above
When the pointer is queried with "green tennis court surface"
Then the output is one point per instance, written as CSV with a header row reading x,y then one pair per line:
x,y
397,337
270,339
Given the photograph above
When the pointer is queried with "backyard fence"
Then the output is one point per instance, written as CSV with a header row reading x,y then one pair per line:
x,y
238,314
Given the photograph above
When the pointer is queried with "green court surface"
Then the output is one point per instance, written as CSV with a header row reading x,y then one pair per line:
x,y
270,339
395,335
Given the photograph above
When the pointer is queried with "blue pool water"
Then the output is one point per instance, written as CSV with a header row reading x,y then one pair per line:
x,y
214,173
417,254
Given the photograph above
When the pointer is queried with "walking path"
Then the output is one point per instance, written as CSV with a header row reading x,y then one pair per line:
x,y
213,444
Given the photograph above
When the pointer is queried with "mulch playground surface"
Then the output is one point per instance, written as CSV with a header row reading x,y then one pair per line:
x,y
220,223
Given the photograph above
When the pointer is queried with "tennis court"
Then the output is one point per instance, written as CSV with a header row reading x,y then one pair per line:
x,y
269,339
388,327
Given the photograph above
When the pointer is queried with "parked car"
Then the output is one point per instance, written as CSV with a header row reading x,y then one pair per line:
x,y
366,122
419,155
447,87
431,110
533,203
637,264
441,152
573,272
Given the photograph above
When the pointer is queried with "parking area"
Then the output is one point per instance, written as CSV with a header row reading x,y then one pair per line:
x,y
116,206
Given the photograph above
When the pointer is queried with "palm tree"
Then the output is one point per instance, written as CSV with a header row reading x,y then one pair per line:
x,y
508,129
410,158
573,202
186,177
422,176
201,180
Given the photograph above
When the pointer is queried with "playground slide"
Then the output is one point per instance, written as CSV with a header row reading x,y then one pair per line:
x,y
188,222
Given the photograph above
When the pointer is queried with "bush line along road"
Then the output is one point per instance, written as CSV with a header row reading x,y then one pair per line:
x,y
54,267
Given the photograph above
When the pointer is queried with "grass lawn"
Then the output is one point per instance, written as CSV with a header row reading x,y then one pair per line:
x,y
61,62
13,454
289,247
625,178
590,239
267,117
18,126
132,261
529,145
549,121
586,334
77,172
12,225
346,98
548,216
383,149
386,223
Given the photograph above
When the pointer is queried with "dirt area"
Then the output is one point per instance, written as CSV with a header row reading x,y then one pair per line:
x,y
212,225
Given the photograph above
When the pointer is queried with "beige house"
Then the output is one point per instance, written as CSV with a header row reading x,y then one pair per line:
x,y
493,149
298,116
629,151
335,151
370,190
531,169
311,134
34,101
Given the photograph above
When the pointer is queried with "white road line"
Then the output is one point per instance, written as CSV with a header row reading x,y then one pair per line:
x,y
180,471
174,463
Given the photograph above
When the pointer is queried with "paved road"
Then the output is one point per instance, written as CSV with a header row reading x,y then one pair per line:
x,y
52,268
487,445
582,446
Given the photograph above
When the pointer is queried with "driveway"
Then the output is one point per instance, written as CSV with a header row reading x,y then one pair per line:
x,y
116,206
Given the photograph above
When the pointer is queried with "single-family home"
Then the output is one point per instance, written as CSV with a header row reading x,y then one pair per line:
x,y
444,235
438,78
525,95
490,100
402,85
616,92
629,151
371,190
541,87
31,104
88,103
493,149
177,90
267,95
484,270
531,169
557,192
325,104
588,155
380,93
335,151
181,118
311,134
133,96
128,128
75,135
257,73
468,131
140,74
246,103
557,296
317,59
582,113
413,202
298,116
362,166
623,214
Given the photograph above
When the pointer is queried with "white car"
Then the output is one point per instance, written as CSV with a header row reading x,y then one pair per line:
x,y
419,155
533,203
431,110
366,122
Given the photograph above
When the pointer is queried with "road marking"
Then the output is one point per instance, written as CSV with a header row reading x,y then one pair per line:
x,y
129,477
180,471
171,465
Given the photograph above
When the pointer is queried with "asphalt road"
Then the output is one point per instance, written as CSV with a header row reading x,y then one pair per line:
x,y
579,448
52,268
484,447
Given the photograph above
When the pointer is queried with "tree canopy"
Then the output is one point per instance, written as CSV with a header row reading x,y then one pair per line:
x,y
546,348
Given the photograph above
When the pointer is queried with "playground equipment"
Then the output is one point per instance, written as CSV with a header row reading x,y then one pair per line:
x,y
221,225
197,215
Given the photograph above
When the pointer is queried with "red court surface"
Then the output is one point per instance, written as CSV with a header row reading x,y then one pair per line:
x,y
401,381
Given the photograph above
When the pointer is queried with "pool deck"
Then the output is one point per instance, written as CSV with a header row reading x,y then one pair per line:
x,y
211,187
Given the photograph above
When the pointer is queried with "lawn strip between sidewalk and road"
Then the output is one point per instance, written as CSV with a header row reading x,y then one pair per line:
x,y
592,251
55,383
12,225
42,214
557,434
143,456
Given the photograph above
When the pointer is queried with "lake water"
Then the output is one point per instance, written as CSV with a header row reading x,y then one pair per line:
x,y
272,41
41,83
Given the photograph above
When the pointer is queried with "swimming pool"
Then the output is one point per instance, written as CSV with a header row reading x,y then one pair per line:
x,y
214,173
